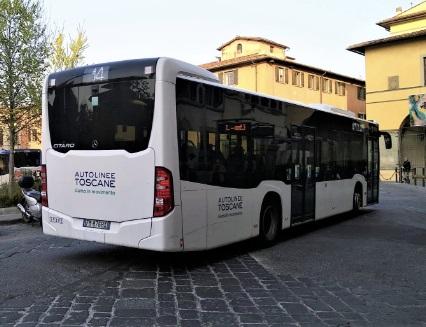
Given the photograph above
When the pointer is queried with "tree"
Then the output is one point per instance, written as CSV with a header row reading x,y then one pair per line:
x,y
24,50
68,56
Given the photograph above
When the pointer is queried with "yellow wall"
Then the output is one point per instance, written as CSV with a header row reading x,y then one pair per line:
x,y
390,107
34,144
388,104
417,8
398,28
408,27
249,48
261,78
354,104
246,77
23,141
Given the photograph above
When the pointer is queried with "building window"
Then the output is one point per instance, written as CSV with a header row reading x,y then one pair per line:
x,y
340,88
298,78
424,70
281,75
362,115
327,85
311,82
271,49
393,82
32,135
229,77
317,83
239,48
361,93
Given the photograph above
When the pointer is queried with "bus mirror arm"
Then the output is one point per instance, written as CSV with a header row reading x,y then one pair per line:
x,y
387,138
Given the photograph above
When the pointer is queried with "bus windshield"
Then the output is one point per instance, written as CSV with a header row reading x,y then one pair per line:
x,y
103,116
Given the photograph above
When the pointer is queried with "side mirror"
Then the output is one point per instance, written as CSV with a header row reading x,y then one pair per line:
x,y
387,138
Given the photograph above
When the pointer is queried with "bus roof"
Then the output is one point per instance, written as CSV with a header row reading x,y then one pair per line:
x,y
103,72
164,68
169,69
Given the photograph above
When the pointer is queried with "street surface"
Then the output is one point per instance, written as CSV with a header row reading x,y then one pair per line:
x,y
367,269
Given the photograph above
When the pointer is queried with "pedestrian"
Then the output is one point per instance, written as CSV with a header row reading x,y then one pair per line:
x,y
406,167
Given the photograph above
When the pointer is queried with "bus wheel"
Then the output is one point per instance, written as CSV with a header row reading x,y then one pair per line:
x,y
357,202
270,218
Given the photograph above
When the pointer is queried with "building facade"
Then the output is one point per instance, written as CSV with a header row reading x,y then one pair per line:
x,y
262,65
396,86
27,138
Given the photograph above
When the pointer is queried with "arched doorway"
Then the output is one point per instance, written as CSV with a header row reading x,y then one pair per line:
x,y
412,144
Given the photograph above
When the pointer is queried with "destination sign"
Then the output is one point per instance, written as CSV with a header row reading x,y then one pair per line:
x,y
233,127
96,74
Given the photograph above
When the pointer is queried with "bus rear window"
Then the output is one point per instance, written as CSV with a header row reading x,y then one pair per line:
x,y
105,116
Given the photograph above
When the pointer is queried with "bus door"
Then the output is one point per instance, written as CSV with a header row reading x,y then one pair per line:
x,y
303,179
373,170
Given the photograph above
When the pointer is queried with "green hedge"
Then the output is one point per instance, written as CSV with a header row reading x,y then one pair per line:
x,y
5,200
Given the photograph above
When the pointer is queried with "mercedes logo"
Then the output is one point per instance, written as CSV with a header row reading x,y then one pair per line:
x,y
95,144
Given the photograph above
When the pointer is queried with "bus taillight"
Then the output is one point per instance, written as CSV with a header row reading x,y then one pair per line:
x,y
163,197
44,201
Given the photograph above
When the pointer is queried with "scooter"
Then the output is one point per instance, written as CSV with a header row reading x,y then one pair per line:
x,y
30,206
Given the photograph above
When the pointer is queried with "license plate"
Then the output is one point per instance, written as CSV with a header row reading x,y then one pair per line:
x,y
99,224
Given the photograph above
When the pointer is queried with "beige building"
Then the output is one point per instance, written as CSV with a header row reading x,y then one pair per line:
x,y
262,65
28,138
395,69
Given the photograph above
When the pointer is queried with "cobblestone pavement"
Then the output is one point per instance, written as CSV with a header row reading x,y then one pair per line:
x,y
46,281
233,292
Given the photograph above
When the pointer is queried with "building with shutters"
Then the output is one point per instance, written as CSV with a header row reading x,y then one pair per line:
x,y
27,138
262,65
396,86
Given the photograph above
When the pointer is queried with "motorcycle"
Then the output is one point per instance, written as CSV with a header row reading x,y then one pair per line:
x,y
30,206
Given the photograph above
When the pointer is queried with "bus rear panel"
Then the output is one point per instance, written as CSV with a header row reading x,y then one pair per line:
x,y
104,179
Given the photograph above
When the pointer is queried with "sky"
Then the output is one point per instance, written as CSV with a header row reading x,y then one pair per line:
x,y
317,31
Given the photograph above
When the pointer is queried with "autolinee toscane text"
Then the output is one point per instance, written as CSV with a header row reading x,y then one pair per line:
x,y
227,203
94,178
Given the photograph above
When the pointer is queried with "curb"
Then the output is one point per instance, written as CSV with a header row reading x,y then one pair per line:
x,y
9,216
13,219
9,210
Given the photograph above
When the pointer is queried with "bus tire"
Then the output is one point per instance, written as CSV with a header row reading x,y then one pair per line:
x,y
269,222
357,199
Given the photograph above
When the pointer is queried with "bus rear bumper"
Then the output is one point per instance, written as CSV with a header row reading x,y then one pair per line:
x,y
157,234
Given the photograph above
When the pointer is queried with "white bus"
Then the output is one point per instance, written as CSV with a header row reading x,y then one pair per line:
x,y
157,154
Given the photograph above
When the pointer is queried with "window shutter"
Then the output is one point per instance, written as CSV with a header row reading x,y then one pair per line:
x,y
236,76
286,75
424,70
393,82
277,74
302,79
220,75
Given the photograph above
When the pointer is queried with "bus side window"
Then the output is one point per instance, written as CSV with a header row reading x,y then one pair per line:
x,y
318,171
